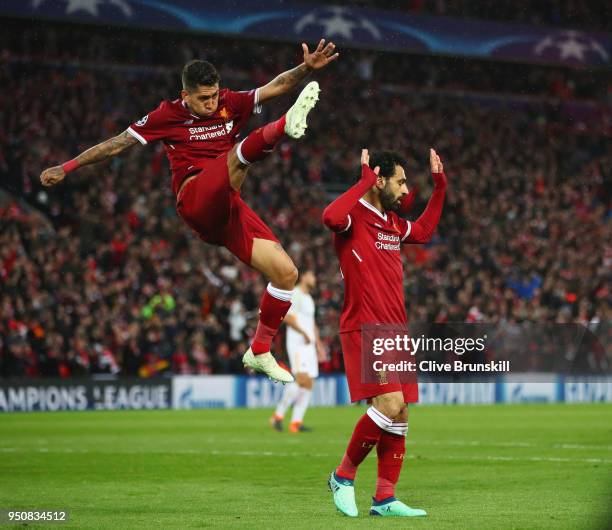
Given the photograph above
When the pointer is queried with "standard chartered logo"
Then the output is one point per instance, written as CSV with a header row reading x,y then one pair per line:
x,y
387,242
210,131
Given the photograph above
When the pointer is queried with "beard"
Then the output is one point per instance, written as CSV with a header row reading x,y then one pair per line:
x,y
389,201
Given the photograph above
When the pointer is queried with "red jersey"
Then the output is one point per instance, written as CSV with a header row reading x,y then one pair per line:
x,y
368,250
189,138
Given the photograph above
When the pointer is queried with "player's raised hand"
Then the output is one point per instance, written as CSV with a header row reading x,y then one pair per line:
x,y
322,56
52,176
437,169
365,160
435,162
365,157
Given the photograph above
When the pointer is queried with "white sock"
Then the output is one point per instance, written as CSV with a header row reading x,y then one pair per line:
x,y
387,424
289,395
240,155
301,404
279,294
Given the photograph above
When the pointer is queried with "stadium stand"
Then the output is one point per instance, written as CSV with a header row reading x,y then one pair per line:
x,y
115,283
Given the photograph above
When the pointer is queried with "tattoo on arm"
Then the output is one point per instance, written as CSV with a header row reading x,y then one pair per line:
x,y
289,79
107,149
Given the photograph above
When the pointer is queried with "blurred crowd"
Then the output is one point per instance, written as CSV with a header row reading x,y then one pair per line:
x,y
566,13
80,47
115,283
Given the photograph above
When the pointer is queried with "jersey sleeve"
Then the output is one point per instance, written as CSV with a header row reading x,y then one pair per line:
x,y
151,127
244,102
344,227
405,228
337,215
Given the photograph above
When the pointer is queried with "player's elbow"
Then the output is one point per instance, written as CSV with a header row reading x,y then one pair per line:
x,y
326,217
330,220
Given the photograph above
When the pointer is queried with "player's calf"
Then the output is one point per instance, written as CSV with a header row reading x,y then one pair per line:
x,y
260,143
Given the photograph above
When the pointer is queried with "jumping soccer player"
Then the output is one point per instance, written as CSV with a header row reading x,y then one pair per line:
x,y
199,131
304,349
374,294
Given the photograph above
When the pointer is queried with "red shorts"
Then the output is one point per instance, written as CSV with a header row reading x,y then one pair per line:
x,y
217,213
351,351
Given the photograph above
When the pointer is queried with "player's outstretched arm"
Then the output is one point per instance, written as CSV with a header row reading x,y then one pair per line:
x,y
287,81
321,351
97,153
335,216
292,321
423,228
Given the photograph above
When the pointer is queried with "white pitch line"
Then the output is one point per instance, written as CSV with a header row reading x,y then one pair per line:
x,y
451,443
306,454
422,442
586,447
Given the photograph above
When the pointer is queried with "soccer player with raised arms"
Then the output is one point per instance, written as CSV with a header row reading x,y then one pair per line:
x,y
200,131
374,294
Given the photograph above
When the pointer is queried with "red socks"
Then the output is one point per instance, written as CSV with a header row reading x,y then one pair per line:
x,y
372,430
273,132
390,451
272,310
260,143
365,436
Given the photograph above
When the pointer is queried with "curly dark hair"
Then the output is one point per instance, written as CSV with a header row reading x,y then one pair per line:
x,y
387,160
198,72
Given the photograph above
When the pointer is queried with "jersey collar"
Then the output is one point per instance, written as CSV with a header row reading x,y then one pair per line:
x,y
373,208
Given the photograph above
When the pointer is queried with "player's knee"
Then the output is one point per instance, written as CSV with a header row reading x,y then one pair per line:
x,y
402,416
285,275
393,410
303,380
292,274
390,406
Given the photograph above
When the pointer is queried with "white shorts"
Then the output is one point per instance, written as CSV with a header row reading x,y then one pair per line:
x,y
303,359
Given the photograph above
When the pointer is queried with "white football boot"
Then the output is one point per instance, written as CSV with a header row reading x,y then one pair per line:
x,y
295,124
266,364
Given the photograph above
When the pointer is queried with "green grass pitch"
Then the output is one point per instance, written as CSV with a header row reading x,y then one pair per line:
x,y
505,466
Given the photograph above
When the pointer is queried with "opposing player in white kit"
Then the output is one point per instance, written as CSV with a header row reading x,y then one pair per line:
x,y
304,349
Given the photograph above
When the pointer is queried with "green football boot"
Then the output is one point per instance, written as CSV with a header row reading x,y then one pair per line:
x,y
343,490
391,507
